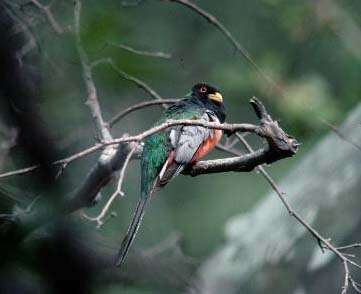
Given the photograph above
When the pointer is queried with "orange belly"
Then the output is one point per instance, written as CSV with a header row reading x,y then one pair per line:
x,y
207,145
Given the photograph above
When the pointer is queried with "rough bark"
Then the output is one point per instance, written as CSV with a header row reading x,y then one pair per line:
x,y
267,250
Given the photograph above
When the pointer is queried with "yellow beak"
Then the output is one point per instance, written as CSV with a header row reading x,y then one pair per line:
x,y
216,97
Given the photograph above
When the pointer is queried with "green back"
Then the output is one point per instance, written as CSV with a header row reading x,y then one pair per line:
x,y
156,147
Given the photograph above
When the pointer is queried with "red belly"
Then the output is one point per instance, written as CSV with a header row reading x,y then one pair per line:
x,y
207,145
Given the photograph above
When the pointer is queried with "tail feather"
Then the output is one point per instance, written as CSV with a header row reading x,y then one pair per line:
x,y
132,230
171,171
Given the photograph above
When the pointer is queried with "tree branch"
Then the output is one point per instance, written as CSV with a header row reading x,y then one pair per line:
x,y
340,134
238,47
281,145
144,86
99,219
113,157
157,54
138,106
323,242
47,11
92,97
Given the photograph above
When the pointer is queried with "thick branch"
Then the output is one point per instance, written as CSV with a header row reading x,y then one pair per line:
x,y
244,163
138,138
281,145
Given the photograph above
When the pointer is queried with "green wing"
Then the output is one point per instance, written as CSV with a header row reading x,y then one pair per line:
x,y
157,147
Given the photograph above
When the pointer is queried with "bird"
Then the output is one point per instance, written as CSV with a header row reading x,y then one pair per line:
x,y
167,153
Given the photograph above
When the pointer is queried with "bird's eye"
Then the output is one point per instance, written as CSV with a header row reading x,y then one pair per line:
x,y
203,90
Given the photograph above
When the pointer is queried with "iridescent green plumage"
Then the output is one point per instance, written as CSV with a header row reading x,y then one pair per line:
x,y
156,147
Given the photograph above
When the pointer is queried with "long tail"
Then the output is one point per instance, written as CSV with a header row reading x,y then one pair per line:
x,y
132,229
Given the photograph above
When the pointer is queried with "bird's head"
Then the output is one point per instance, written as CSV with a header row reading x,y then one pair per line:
x,y
211,98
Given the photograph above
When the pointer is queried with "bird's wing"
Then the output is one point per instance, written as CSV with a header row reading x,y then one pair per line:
x,y
158,147
185,142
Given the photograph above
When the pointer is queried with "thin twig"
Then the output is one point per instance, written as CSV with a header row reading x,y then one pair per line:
x,y
131,4
144,86
138,106
63,161
356,286
169,243
320,239
348,254
351,246
346,279
92,97
238,47
99,219
51,18
266,175
231,143
340,134
157,54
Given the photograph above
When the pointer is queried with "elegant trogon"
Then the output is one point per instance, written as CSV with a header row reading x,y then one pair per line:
x,y
167,153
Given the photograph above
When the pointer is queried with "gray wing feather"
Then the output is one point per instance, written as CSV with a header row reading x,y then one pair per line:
x,y
185,141
190,138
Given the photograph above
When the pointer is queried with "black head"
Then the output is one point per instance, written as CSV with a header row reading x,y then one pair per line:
x,y
211,98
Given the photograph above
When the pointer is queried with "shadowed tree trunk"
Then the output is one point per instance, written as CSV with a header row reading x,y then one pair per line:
x,y
266,249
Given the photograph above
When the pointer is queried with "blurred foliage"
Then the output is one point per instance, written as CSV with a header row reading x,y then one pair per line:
x,y
303,46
